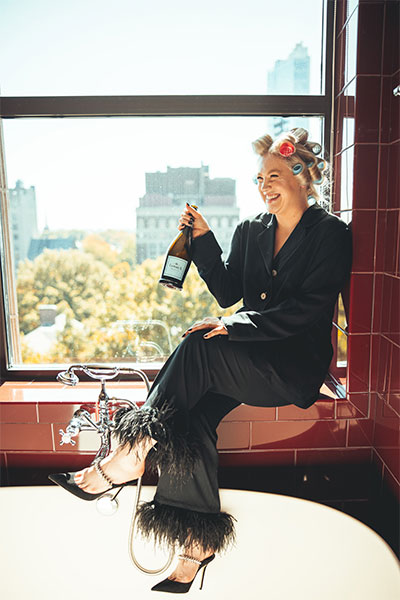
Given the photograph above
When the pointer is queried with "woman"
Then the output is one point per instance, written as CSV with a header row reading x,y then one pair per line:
x,y
288,264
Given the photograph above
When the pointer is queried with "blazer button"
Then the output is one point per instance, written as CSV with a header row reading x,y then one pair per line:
x,y
263,295
274,273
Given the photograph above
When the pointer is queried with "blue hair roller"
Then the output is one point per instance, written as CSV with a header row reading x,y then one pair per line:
x,y
309,164
321,164
297,169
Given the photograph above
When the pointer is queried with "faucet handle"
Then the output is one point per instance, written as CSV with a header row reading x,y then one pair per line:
x,y
66,438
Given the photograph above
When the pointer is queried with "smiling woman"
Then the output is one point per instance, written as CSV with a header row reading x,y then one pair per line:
x,y
287,266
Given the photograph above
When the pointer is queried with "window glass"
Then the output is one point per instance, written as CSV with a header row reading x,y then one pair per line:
x,y
94,204
176,47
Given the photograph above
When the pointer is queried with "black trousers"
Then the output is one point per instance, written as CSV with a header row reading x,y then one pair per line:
x,y
198,385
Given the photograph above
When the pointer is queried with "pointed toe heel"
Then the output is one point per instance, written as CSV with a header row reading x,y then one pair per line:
x,y
67,481
177,587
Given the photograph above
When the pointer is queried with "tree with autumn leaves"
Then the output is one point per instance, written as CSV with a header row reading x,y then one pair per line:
x,y
124,314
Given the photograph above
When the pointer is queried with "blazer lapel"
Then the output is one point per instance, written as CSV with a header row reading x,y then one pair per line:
x,y
290,246
266,241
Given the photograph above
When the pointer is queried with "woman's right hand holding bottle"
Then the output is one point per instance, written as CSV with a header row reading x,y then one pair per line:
x,y
195,220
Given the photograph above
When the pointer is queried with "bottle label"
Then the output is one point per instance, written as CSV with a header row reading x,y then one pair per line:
x,y
175,267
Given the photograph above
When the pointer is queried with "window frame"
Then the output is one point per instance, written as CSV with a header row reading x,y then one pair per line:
x,y
18,107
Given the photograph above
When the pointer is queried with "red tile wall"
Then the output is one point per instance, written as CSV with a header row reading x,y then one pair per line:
x,y
367,194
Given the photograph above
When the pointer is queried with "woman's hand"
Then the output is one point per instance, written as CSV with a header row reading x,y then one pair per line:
x,y
217,327
195,220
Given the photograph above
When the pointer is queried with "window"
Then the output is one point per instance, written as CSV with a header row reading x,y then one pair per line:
x,y
96,184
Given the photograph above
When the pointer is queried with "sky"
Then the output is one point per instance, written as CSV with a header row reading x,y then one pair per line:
x,y
95,168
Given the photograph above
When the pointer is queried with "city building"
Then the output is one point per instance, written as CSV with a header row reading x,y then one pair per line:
x,y
23,220
290,76
166,194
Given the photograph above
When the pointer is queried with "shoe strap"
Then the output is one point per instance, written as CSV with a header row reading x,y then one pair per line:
x,y
102,474
190,559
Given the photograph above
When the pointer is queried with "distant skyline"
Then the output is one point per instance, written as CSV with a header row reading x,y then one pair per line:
x,y
90,173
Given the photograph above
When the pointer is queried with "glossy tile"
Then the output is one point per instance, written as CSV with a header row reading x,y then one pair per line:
x,y
58,412
394,383
367,109
390,110
361,288
250,413
383,178
11,412
321,409
25,437
391,39
358,357
360,432
390,320
361,402
370,34
394,401
363,227
387,245
324,457
355,406
380,364
53,461
85,441
386,434
299,434
365,176
233,436
392,483
378,303
378,464
3,460
393,187
256,458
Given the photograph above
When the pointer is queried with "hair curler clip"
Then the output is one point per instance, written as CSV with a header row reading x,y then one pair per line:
x,y
316,148
297,169
286,149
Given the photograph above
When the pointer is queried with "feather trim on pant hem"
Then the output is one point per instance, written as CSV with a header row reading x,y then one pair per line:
x,y
175,453
179,527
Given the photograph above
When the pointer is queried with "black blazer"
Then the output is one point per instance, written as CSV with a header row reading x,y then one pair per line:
x,y
288,301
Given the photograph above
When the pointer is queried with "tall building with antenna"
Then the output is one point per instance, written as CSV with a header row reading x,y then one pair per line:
x,y
290,76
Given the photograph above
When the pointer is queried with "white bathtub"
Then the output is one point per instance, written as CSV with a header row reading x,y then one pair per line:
x,y
57,547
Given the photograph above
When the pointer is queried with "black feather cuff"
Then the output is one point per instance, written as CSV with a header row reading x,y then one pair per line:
x,y
174,453
180,527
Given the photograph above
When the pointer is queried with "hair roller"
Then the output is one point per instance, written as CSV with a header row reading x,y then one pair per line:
x,y
300,135
316,148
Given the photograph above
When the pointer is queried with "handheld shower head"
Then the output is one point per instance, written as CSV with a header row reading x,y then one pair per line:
x,y
68,377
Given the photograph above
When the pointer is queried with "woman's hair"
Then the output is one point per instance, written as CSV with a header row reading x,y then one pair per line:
x,y
315,168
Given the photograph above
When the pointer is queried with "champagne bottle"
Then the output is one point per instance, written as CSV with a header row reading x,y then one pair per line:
x,y
177,260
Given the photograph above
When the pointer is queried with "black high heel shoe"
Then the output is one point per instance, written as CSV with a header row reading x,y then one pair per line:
x,y
177,587
67,481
